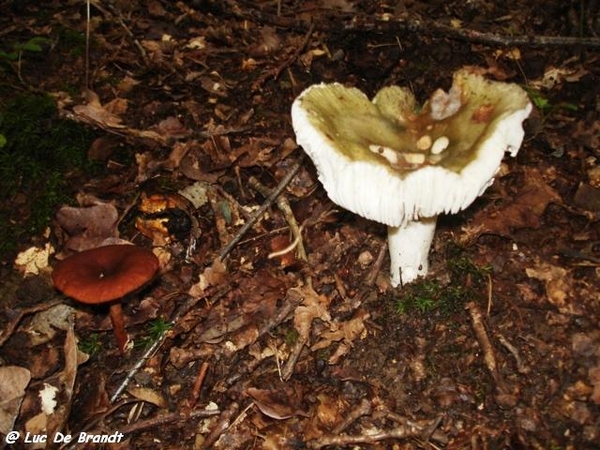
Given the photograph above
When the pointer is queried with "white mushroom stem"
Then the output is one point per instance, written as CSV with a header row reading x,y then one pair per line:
x,y
409,248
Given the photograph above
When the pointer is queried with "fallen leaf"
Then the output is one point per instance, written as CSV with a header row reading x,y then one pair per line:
x,y
558,283
148,395
93,112
523,211
281,403
88,226
45,324
34,259
594,377
313,306
13,381
587,197
172,127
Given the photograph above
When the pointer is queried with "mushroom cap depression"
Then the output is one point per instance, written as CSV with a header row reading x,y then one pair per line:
x,y
392,161
104,274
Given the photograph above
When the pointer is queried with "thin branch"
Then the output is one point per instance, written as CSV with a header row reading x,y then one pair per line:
x,y
259,213
390,24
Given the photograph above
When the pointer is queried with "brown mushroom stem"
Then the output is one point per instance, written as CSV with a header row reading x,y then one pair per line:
x,y
118,323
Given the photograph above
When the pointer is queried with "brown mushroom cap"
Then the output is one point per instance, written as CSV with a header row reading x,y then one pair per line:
x,y
104,274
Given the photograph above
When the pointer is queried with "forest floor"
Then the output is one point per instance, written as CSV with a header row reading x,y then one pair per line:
x,y
179,114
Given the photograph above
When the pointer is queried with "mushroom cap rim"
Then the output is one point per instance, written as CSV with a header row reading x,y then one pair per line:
x,y
104,274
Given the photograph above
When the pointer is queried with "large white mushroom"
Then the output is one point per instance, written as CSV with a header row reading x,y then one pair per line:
x,y
402,165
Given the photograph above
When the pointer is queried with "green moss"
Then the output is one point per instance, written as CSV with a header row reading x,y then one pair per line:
x,y
91,345
40,150
291,337
156,329
467,283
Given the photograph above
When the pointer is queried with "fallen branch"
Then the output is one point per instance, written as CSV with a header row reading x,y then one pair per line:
x,y
391,24
402,431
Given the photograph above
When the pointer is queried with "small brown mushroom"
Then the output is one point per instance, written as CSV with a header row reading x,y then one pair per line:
x,y
105,275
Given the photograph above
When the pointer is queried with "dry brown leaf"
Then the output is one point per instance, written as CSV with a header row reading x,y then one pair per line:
x,y
558,283
94,112
88,226
524,211
45,324
34,259
281,403
118,107
102,148
13,381
172,127
346,332
64,382
212,276
148,395
313,306
594,377
269,43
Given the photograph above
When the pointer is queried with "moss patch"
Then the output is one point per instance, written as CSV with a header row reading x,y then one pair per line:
x,y
40,152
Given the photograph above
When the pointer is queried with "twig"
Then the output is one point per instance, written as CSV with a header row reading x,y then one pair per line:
x,y
222,425
504,396
150,351
119,17
469,35
87,45
284,206
258,214
141,361
521,367
428,430
372,275
290,364
364,408
291,301
168,418
198,384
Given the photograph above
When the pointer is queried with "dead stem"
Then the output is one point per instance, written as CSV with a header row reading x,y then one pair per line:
x,y
363,409
198,384
221,426
503,397
259,213
402,431
284,206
